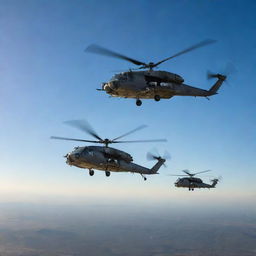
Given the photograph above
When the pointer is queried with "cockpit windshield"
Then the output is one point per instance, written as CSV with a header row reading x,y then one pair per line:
x,y
78,149
119,77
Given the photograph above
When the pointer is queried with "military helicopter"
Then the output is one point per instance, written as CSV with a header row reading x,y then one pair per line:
x,y
191,182
105,158
151,84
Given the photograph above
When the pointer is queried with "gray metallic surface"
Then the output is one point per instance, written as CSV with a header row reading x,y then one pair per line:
x,y
148,84
108,159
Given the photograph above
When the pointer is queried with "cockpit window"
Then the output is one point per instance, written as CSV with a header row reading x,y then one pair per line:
x,y
78,149
120,77
123,76
85,151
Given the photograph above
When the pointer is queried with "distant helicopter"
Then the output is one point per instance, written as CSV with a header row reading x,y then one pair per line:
x,y
151,84
191,182
105,158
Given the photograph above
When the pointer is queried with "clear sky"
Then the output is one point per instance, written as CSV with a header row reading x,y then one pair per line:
x,y
47,78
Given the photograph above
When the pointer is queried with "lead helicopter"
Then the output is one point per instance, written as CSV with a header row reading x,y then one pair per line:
x,y
152,84
192,182
105,158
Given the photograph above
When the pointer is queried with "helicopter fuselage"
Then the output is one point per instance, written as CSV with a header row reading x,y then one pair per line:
x,y
192,182
107,159
153,85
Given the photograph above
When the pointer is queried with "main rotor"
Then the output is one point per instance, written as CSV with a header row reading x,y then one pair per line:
x,y
86,127
103,51
189,174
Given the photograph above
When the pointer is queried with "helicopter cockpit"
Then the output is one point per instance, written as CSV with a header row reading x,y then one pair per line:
x,y
76,153
78,149
119,77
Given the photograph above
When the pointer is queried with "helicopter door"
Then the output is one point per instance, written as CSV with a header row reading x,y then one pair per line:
x,y
113,162
149,79
129,76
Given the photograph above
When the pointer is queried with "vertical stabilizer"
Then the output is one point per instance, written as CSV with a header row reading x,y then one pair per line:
x,y
156,167
214,183
217,85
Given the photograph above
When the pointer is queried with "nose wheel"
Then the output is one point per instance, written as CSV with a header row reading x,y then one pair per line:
x,y
91,172
107,173
157,98
138,102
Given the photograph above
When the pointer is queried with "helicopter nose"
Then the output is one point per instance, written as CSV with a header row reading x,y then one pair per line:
x,y
69,159
114,85
111,86
72,157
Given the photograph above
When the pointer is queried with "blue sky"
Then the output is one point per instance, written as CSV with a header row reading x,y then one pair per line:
x,y
46,78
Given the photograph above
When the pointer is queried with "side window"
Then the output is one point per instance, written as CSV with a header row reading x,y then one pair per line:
x,y
90,151
123,77
85,151
129,76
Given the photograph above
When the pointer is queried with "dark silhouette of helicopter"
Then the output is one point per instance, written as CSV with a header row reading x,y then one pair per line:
x,y
192,182
152,84
106,158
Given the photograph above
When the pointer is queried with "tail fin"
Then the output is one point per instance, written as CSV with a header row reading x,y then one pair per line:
x,y
157,166
217,85
214,182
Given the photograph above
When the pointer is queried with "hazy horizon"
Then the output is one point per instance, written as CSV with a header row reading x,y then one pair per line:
x,y
50,229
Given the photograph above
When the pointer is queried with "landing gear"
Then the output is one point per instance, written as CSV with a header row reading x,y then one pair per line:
x,y
157,98
91,172
138,102
144,178
107,173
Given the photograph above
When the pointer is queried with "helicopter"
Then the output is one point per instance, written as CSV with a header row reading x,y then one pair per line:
x,y
192,182
146,83
105,158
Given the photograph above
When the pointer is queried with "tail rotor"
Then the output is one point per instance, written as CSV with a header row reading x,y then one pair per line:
x,y
216,179
156,156
228,70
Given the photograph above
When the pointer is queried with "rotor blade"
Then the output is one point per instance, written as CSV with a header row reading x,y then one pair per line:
x,y
153,154
135,141
132,131
63,138
93,48
84,126
150,156
177,175
202,172
201,44
188,173
210,75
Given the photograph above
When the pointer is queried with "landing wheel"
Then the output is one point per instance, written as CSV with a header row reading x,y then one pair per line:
x,y
144,178
157,98
192,189
107,173
138,102
91,172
